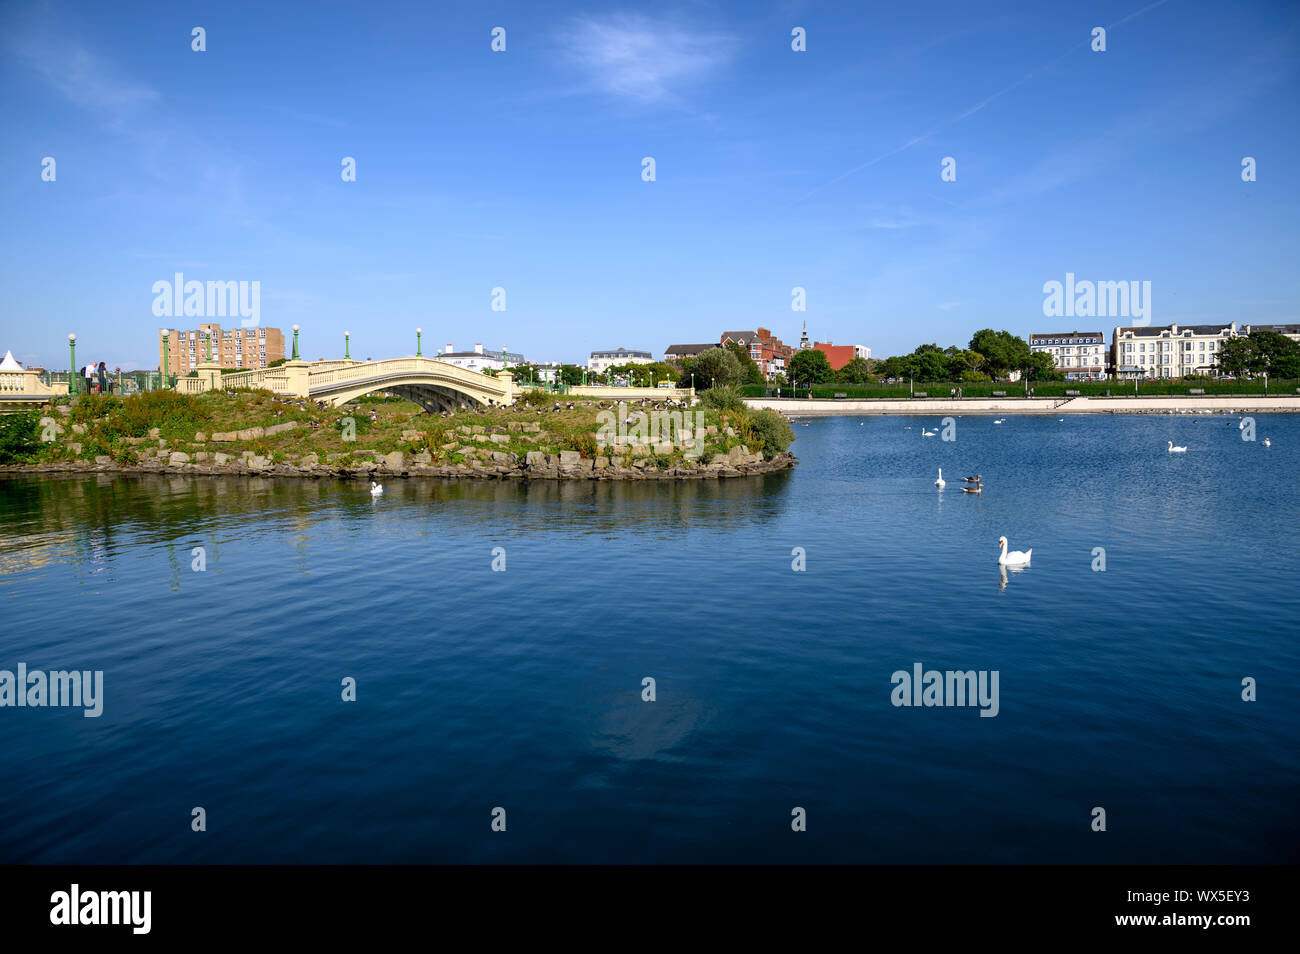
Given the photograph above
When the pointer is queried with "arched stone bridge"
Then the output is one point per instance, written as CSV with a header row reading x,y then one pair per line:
x,y
435,385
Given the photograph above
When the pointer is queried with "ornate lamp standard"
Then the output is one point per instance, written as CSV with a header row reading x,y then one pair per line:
x,y
295,342
72,367
347,354
166,336
418,353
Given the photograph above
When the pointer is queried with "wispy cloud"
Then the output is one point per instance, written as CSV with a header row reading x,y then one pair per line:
x,y
948,305
647,61
86,80
980,105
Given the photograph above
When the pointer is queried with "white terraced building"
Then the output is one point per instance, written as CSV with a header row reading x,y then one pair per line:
x,y
600,360
1174,351
1079,355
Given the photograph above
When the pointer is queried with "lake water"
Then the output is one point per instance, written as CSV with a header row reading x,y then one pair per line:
x,y
522,689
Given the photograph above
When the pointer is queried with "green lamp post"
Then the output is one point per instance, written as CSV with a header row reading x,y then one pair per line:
x,y
72,367
418,353
347,342
208,337
295,342
166,337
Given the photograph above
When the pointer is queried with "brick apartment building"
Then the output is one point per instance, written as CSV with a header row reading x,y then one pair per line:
x,y
768,351
231,348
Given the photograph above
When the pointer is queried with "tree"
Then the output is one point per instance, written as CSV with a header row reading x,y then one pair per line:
x,y
716,366
966,366
1042,367
810,367
1276,354
570,374
1002,351
748,366
640,375
857,371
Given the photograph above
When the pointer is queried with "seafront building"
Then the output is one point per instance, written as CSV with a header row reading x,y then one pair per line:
x,y
840,355
1173,351
769,352
677,352
250,348
479,359
1079,355
599,361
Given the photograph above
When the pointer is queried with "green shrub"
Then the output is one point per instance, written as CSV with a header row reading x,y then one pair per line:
x,y
91,407
19,436
584,443
772,432
723,399
161,409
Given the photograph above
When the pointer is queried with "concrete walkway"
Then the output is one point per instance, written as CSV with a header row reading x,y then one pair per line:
x,y
1246,404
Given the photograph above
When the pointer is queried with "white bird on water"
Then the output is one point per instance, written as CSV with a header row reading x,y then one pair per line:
x,y
1015,557
941,483
998,421
1176,450
376,489
925,433
1267,442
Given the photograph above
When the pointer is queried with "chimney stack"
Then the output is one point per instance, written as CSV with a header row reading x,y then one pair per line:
x,y
478,348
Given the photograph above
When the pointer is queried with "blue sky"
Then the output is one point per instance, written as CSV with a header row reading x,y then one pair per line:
x,y
522,169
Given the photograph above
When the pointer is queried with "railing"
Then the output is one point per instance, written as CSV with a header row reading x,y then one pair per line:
x,y
362,371
272,379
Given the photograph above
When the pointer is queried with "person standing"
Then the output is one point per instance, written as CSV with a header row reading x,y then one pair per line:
x,y
103,378
88,374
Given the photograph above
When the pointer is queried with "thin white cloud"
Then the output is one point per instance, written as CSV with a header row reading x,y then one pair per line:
x,y
647,61
948,305
86,80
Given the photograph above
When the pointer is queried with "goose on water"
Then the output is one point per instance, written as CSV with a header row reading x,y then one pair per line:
x,y
376,489
1015,557
974,480
1176,450
972,489
941,483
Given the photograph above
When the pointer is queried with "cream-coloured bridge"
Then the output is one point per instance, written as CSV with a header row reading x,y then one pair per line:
x,y
435,385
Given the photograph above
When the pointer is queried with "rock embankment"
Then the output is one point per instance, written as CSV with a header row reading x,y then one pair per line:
x,y
628,464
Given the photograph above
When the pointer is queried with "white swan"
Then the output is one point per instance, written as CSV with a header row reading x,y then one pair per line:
x,y
1267,442
1015,557
376,489
925,433
998,421
941,483
1176,450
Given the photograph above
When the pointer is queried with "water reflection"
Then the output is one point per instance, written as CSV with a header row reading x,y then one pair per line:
x,y
86,521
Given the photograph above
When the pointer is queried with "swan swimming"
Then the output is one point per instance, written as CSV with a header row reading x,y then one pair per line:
x,y
376,489
1176,450
941,483
1015,557
1267,442
925,433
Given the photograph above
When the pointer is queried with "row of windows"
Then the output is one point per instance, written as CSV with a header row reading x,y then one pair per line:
x,y
1187,346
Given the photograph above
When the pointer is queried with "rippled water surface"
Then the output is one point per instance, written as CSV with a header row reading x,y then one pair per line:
x,y
522,689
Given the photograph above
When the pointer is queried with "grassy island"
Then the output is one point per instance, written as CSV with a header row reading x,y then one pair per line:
x,y
259,432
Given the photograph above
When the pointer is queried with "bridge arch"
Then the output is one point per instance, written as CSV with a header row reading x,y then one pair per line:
x,y
434,385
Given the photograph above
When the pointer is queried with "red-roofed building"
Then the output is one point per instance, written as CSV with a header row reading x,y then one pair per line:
x,y
840,355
